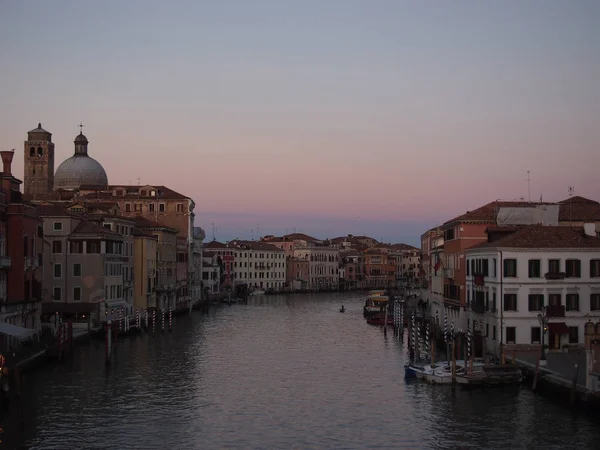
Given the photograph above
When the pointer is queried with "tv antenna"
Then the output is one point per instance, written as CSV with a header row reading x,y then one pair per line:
x,y
213,230
571,192
528,187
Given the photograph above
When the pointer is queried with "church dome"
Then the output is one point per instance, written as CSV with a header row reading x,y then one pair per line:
x,y
80,169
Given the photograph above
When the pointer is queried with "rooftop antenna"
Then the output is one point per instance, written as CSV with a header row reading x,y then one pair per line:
x,y
213,229
138,180
257,233
571,192
528,187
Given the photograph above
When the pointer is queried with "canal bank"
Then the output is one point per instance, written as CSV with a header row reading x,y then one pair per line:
x,y
278,372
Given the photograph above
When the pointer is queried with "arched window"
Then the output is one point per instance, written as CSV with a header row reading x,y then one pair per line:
x,y
40,151
32,151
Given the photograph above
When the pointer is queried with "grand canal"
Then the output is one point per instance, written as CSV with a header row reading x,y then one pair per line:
x,y
280,372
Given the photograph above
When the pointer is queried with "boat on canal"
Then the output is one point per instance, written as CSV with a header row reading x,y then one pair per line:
x,y
443,373
375,304
379,319
421,369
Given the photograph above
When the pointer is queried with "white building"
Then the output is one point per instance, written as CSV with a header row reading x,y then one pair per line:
x,y
511,280
259,264
323,263
211,272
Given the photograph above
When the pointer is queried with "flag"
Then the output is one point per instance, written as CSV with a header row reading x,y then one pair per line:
x,y
438,263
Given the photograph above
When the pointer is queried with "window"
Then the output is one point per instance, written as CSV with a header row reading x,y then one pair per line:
x,y
494,333
57,247
57,294
510,302
57,270
127,207
536,335
76,246
573,268
594,268
595,302
573,335
57,226
572,302
535,268
554,299
469,263
510,268
511,333
40,232
554,265
77,294
151,207
161,207
179,207
495,266
76,270
536,302
137,206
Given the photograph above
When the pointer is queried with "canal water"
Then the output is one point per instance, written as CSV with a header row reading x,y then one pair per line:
x,y
281,372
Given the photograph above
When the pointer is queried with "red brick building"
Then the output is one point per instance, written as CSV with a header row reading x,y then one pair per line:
x,y
20,260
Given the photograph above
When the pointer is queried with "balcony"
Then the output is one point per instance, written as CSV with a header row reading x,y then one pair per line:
x,y
5,262
478,279
31,263
449,273
555,311
555,275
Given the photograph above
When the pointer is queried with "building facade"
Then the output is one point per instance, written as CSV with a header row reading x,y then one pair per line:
x,y
145,251
323,266
38,163
535,270
260,265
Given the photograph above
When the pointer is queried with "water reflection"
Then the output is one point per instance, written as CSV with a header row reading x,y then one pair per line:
x,y
280,372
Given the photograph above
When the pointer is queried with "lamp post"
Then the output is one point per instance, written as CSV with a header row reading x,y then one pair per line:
x,y
543,320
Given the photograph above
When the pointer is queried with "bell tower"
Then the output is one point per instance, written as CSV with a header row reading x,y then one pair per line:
x,y
39,163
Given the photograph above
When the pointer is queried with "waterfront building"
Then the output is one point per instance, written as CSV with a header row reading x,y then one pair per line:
x,y
522,271
81,178
211,272
21,249
351,262
196,266
379,269
166,261
323,265
145,274
225,258
83,265
298,270
259,264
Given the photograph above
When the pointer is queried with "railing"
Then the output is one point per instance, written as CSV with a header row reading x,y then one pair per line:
x,y
555,275
449,273
555,311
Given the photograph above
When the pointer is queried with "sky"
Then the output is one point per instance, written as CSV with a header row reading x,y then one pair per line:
x,y
328,117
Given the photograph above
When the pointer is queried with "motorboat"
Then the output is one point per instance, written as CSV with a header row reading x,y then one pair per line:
x,y
420,370
342,309
375,304
257,292
442,373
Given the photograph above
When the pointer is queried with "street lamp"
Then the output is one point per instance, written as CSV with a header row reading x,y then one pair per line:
x,y
543,320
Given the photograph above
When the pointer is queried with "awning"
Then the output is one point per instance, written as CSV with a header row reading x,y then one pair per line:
x,y
558,327
16,331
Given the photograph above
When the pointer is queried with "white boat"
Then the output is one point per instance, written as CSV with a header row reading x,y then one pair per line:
x,y
420,370
376,304
442,374
257,292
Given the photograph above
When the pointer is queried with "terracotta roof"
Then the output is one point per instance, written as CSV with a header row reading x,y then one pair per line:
x,y
299,237
487,213
538,236
579,209
214,244
139,233
87,227
53,211
143,222
403,246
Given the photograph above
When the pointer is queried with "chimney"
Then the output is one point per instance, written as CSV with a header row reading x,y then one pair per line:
x,y
7,157
588,228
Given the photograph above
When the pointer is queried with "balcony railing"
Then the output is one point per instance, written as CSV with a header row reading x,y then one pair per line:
x,y
5,262
449,273
555,311
555,275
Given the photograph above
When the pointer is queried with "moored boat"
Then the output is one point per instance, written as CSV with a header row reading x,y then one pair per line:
x,y
379,319
375,304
